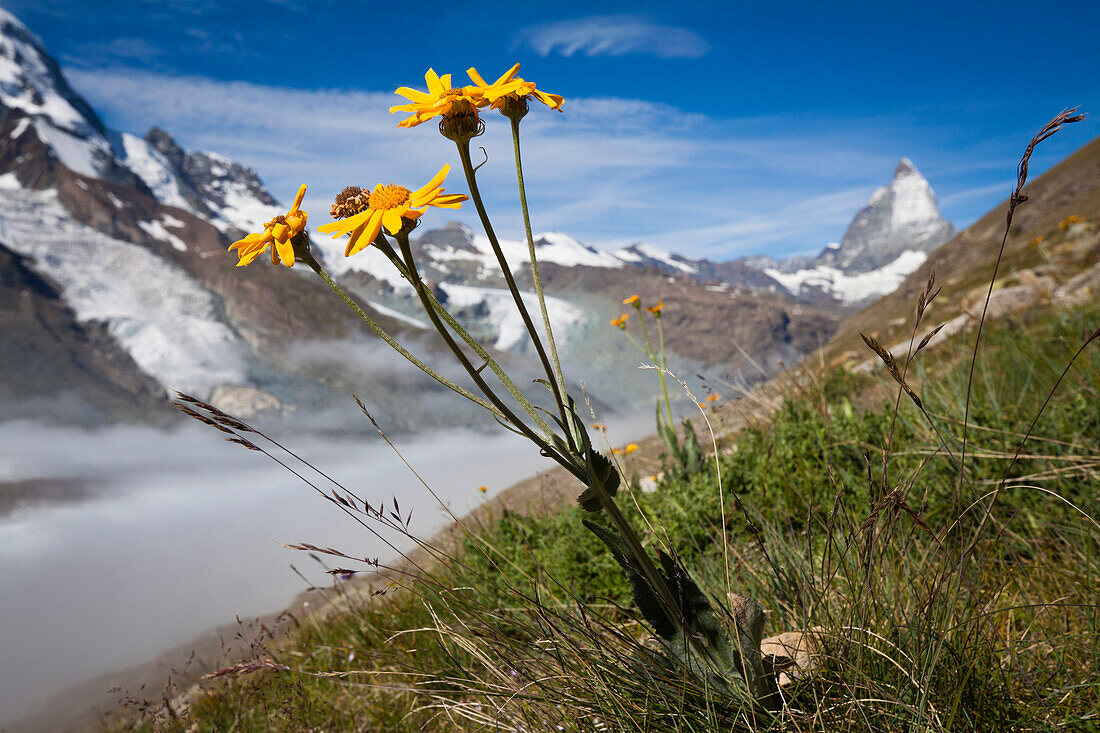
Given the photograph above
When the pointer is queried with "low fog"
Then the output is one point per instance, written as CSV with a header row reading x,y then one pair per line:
x,y
175,531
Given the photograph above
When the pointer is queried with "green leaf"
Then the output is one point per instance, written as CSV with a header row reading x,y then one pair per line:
x,y
601,472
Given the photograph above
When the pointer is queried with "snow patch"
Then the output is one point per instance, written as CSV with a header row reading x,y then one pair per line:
x,y
370,261
156,230
664,257
504,319
167,321
10,182
20,127
396,315
855,288
78,154
154,170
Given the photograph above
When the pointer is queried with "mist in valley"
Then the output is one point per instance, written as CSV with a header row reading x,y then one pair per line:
x,y
166,533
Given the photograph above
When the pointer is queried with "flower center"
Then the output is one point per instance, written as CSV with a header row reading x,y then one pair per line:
x,y
388,197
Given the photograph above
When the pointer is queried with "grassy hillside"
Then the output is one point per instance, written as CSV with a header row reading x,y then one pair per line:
x,y
531,626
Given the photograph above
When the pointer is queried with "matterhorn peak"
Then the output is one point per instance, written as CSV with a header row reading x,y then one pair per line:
x,y
902,216
906,168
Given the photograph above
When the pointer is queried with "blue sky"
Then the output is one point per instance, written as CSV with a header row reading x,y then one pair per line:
x,y
711,129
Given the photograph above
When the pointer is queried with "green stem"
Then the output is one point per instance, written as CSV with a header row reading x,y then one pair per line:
x,y
536,278
381,243
316,267
475,196
664,365
659,363
474,372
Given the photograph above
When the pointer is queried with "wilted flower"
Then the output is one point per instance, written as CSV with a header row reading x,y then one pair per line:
x,y
277,234
656,309
386,206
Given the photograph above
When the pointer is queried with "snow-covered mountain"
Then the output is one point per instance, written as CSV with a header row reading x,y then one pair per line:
x,y
889,238
114,279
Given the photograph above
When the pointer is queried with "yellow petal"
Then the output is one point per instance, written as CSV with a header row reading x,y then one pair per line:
x,y
414,95
391,219
298,198
476,77
343,226
508,74
450,201
435,84
436,182
286,253
351,249
242,243
366,235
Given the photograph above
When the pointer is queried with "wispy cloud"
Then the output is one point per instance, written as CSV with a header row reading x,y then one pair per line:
x,y
613,35
610,171
115,51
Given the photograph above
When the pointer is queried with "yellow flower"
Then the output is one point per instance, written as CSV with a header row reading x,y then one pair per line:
x,y
390,206
1071,219
1036,242
702,405
620,322
633,300
483,489
510,86
656,310
713,397
278,232
630,448
442,99
598,426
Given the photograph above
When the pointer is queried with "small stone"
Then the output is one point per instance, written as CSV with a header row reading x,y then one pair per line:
x,y
792,656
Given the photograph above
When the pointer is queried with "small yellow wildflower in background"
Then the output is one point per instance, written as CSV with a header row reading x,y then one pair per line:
x,y
633,300
656,309
277,234
702,405
387,206
1035,242
483,489
713,397
630,448
498,93
1068,221
620,322
599,426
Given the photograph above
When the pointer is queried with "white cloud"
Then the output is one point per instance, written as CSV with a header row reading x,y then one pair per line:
x,y
607,171
613,35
